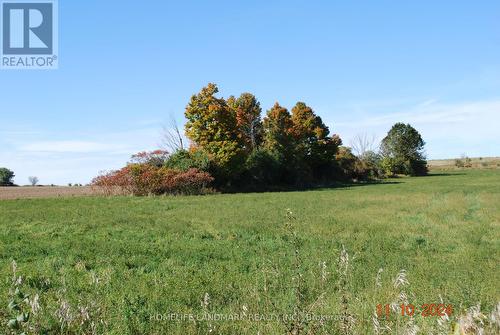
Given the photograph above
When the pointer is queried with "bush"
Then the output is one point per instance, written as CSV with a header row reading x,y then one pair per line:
x,y
368,166
393,166
373,161
184,160
262,169
459,163
114,182
418,167
155,158
191,182
466,161
389,165
144,179
346,162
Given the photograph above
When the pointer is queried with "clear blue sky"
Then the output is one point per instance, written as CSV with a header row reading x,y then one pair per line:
x,y
124,66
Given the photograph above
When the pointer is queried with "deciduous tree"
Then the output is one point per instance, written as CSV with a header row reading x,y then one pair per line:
x,y
278,136
172,138
248,119
403,151
33,180
6,177
212,126
314,146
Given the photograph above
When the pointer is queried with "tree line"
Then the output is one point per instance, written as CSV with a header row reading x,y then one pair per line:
x,y
234,148
295,148
243,150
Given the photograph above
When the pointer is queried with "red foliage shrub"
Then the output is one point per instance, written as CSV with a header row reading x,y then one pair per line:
x,y
145,179
114,182
156,158
191,181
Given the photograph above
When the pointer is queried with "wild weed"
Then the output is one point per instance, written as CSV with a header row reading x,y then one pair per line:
x,y
19,305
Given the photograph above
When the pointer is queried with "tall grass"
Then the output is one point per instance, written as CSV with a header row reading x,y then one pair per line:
x,y
37,313
111,265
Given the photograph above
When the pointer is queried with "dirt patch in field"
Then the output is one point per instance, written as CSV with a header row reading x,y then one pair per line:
x,y
26,192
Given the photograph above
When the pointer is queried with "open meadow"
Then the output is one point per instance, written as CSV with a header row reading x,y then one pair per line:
x,y
157,265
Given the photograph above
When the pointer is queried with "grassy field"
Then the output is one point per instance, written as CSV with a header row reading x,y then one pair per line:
x,y
128,265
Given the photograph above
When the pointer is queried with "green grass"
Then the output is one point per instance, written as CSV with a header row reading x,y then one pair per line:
x,y
162,255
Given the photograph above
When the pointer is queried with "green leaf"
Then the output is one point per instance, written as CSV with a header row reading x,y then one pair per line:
x,y
13,324
18,293
13,306
23,317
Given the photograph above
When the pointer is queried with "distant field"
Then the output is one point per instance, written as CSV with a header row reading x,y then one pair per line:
x,y
42,192
476,163
124,265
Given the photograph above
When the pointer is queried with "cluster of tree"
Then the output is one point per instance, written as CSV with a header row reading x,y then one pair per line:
x,y
6,177
230,139
241,150
232,147
401,153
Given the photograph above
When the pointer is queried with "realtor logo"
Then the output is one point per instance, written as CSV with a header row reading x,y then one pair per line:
x,y
29,34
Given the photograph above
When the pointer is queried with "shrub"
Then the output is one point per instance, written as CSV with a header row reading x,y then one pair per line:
x,y
463,162
114,182
155,158
412,167
467,161
368,166
144,179
418,167
184,160
346,162
191,181
372,160
262,169
459,163
389,165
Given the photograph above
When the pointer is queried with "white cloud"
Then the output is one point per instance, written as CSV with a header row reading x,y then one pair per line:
x,y
70,147
449,129
72,158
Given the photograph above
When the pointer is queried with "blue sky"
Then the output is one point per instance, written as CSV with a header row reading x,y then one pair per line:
x,y
125,66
